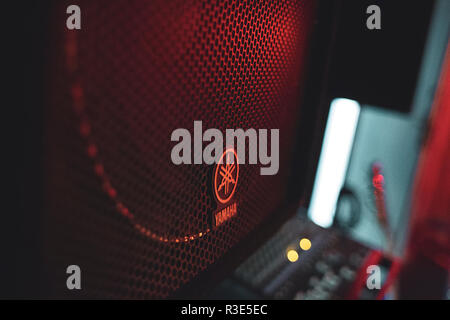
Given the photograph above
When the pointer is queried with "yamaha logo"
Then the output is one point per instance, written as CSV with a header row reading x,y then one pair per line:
x,y
226,177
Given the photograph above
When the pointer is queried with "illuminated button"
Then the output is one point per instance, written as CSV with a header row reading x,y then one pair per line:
x,y
292,255
305,244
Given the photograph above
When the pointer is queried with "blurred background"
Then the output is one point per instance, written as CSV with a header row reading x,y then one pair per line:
x,y
382,179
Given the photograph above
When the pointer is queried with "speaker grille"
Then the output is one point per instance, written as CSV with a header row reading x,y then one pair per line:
x,y
138,225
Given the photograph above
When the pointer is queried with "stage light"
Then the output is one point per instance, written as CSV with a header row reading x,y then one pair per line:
x,y
334,157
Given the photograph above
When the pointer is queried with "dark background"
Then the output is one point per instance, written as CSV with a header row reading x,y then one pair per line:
x,y
380,67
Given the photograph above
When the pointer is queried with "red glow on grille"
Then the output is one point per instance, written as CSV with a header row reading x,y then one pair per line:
x,y
92,151
120,86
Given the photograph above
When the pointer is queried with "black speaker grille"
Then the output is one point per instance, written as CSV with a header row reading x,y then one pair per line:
x,y
138,225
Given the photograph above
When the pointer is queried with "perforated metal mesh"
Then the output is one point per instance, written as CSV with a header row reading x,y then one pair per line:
x,y
138,225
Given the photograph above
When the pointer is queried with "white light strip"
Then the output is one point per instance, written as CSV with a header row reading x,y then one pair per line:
x,y
334,157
